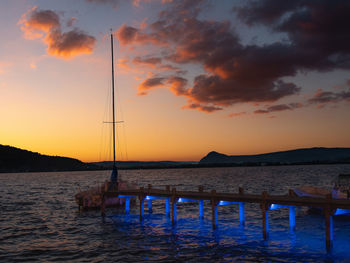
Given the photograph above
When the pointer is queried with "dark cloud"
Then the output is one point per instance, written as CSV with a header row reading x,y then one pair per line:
x,y
175,84
114,3
322,98
202,108
129,35
279,107
156,63
317,29
151,83
318,40
45,25
265,11
150,61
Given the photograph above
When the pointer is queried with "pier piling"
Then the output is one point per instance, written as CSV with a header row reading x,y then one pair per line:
x,y
167,201
214,207
241,208
173,206
329,223
265,215
127,205
201,203
141,199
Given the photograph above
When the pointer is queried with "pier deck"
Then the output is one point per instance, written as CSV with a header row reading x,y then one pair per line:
x,y
267,202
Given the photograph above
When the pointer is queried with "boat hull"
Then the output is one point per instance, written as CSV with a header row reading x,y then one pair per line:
x,y
92,198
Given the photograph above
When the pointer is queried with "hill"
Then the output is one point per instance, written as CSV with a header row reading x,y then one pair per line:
x,y
17,160
298,156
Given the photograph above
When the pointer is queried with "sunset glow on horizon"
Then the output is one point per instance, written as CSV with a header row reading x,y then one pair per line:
x,y
194,76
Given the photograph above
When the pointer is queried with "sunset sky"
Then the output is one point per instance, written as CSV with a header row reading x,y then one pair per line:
x,y
237,77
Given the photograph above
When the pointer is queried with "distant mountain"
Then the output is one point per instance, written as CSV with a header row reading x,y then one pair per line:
x,y
308,155
17,160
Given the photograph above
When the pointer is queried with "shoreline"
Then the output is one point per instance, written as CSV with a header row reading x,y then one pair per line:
x,y
174,166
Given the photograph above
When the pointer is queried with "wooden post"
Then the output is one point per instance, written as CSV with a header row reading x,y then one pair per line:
x,y
241,208
173,206
265,215
329,223
141,199
214,208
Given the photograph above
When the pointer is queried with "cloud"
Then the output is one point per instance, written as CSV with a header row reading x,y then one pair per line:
x,y
279,107
318,40
36,24
114,3
46,25
151,61
322,98
129,35
156,63
202,108
151,83
318,30
174,83
237,114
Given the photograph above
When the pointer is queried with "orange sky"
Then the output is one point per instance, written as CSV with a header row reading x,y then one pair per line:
x,y
200,80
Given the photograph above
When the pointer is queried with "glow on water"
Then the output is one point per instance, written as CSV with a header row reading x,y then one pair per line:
x,y
231,241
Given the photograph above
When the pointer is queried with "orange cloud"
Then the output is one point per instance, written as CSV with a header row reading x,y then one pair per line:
x,y
128,35
176,85
237,114
35,24
156,63
202,108
45,25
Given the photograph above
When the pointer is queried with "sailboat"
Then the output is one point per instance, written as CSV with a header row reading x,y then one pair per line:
x,y
92,198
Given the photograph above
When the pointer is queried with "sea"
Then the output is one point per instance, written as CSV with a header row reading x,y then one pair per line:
x,y
40,221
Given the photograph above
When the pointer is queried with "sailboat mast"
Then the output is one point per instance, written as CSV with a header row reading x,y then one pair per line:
x,y
113,101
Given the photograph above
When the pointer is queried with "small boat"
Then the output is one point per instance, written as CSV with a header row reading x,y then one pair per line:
x,y
319,192
92,198
340,190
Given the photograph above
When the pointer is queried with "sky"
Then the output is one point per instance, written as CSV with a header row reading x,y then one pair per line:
x,y
194,76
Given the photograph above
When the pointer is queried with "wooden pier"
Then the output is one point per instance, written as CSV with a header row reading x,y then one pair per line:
x,y
267,202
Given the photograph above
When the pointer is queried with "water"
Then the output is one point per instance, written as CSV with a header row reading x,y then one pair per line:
x,y
40,221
